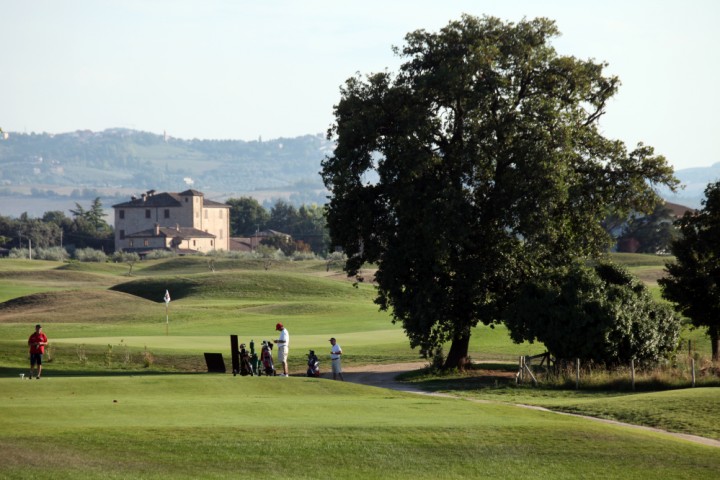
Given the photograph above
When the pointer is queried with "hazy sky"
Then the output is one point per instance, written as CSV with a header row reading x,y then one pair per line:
x,y
239,69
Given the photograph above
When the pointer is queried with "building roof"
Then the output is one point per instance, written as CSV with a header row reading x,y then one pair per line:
x,y
241,244
167,199
172,232
678,210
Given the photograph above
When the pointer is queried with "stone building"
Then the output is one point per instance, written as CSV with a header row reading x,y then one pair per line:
x,y
184,222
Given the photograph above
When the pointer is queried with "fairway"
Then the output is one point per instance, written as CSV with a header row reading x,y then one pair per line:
x,y
214,426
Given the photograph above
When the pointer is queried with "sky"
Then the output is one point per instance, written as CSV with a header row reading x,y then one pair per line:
x,y
249,69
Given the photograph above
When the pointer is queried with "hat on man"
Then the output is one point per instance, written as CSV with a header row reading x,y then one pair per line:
x,y
38,326
279,326
332,339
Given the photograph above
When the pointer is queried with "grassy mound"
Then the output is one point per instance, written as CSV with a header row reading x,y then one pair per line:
x,y
268,285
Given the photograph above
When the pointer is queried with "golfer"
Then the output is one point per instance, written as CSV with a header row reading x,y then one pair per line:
x,y
37,341
283,344
335,354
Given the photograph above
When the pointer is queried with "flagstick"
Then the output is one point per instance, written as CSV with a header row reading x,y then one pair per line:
x,y
167,319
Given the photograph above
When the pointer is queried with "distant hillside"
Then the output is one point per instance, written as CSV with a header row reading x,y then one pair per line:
x,y
695,180
121,160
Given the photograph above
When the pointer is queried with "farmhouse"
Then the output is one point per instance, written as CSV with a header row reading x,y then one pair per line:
x,y
184,222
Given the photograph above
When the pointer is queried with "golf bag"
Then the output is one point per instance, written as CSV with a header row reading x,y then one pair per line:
x,y
245,366
268,367
254,359
313,365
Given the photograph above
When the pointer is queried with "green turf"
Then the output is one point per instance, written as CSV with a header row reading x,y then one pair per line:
x,y
219,426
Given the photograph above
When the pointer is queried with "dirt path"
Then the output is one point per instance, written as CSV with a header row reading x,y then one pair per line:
x,y
384,376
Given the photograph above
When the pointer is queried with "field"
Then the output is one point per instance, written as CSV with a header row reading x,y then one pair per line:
x,y
125,392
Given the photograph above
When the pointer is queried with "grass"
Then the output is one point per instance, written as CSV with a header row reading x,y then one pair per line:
x,y
111,340
661,399
219,426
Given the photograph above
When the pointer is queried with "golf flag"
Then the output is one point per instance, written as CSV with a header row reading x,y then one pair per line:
x,y
167,296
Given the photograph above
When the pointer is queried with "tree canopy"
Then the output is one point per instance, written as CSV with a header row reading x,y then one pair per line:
x,y
693,280
247,216
599,313
473,169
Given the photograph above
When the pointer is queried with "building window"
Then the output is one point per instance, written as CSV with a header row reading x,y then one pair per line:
x,y
221,234
122,214
186,199
206,214
146,243
167,213
122,234
147,213
193,243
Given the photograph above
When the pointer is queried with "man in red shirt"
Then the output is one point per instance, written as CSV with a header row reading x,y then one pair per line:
x,y
37,342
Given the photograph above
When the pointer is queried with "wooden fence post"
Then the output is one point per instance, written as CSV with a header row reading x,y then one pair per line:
x,y
527,367
692,365
577,374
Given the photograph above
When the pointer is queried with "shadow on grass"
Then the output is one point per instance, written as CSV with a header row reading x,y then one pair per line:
x,y
476,376
48,372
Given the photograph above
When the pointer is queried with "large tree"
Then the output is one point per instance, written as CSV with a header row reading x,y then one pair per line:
x,y
475,167
693,282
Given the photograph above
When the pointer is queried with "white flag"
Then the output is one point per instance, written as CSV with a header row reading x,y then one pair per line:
x,y
167,296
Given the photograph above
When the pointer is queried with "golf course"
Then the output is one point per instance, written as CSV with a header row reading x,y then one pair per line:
x,y
125,391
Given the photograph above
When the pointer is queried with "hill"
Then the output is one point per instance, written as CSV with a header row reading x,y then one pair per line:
x,y
115,163
694,181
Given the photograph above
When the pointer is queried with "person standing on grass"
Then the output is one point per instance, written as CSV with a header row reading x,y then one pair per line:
x,y
335,354
37,341
283,344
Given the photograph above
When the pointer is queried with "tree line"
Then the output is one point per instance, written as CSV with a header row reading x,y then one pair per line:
x,y
87,227
306,224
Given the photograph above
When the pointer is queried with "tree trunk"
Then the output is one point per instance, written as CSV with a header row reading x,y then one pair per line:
x,y
457,357
714,333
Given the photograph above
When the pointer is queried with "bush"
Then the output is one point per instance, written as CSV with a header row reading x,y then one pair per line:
x,y
90,255
57,254
600,314
158,254
299,256
18,253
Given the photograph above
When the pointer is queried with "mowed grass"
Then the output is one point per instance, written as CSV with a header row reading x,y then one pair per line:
x,y
684,410
220,426
198,425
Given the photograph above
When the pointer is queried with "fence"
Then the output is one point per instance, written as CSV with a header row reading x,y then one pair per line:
x,y
526,374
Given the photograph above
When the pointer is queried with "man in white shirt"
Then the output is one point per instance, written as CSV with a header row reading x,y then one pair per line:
x,y
283,344
335,354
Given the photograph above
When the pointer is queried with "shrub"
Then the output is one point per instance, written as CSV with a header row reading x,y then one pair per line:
x,y
158,254
599,314
57,254
90,255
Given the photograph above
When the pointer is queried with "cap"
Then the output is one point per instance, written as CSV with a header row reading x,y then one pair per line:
x,y
279,326
38,326
332,339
